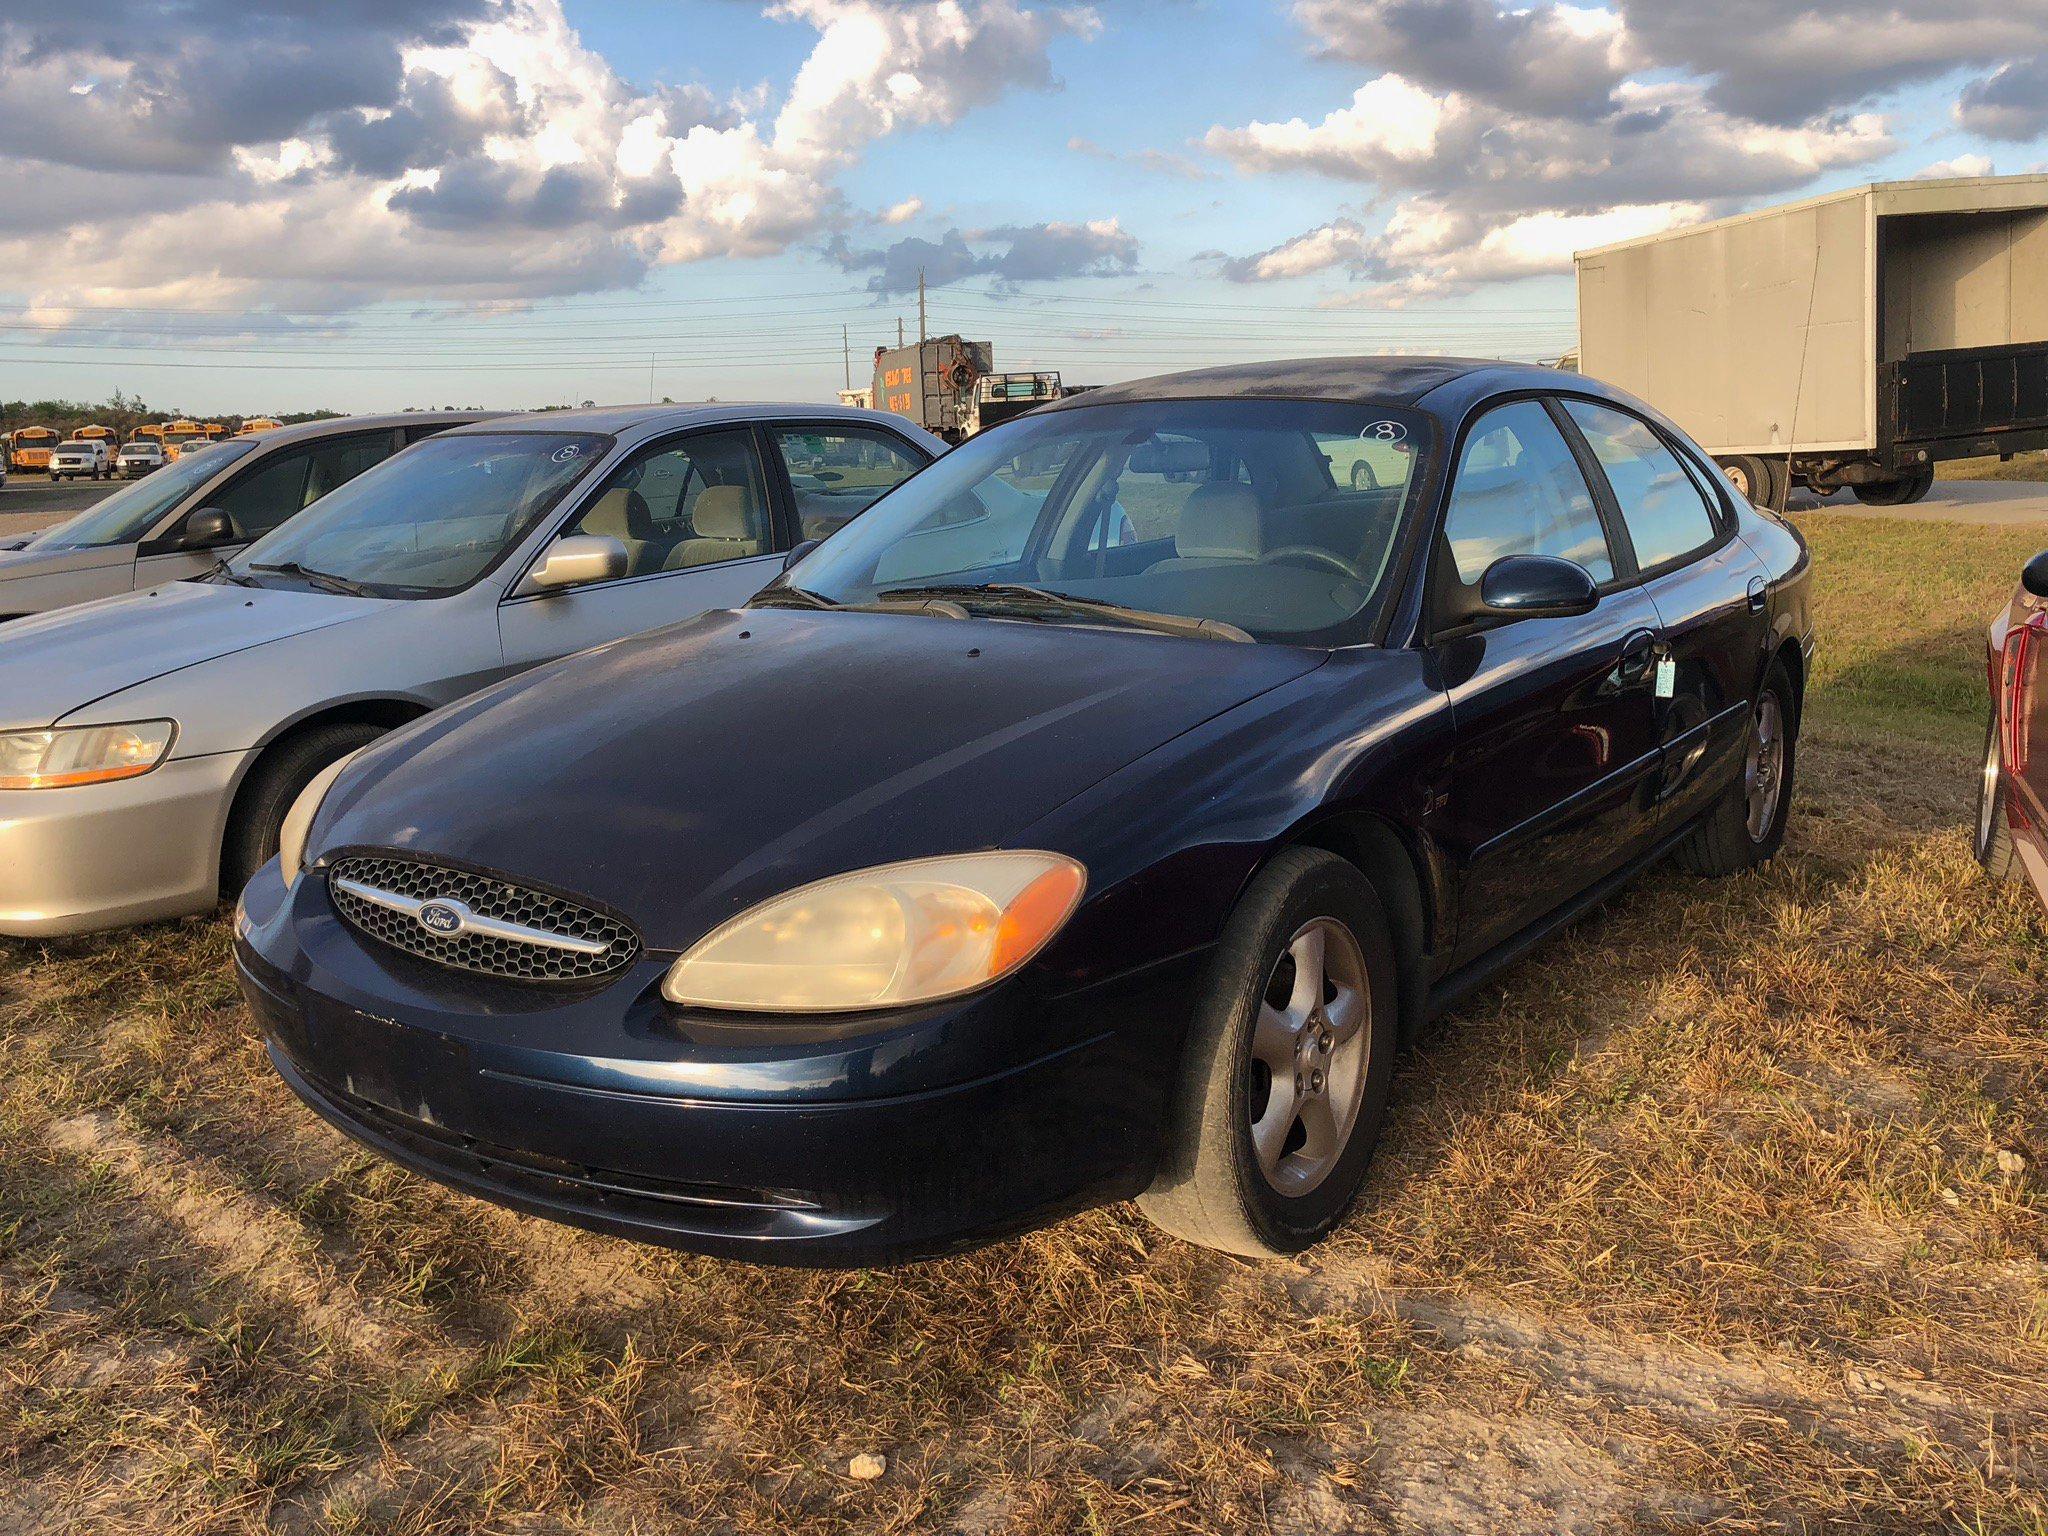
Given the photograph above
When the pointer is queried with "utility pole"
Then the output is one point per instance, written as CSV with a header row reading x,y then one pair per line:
x,y
650,377
846,353
921,333
899,330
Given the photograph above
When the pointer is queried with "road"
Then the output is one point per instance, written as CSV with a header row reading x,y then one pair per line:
x,y
1999,503
29,502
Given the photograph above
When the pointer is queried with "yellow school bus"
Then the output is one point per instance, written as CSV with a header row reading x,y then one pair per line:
x,y
153,430
92,432
257,424
212,430
177,434
30,447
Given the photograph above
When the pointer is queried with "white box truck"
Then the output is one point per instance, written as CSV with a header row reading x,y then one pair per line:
x,y
1849,340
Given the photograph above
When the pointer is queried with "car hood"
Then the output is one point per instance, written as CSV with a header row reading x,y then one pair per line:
x,y
679,777
54,663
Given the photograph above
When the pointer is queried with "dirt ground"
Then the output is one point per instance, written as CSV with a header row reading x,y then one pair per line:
x,y
1725,1211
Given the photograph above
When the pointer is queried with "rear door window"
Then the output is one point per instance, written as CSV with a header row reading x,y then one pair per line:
x,y
1663,507
837,474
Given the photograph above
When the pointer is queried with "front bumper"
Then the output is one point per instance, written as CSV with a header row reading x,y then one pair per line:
x,y
107,855
900,1138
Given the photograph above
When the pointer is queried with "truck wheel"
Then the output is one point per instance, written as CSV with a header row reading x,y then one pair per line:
x,y
1749,475
1895,493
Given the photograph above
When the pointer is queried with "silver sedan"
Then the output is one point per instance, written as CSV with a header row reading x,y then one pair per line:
x,y
151,744
190,514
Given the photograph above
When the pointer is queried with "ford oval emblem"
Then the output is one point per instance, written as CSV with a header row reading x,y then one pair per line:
x,y
440,917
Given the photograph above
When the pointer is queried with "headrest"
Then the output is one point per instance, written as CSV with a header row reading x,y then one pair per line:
x,y
622,514
1220,521
723,512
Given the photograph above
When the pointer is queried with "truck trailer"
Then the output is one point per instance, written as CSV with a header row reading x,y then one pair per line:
x,y
1854,339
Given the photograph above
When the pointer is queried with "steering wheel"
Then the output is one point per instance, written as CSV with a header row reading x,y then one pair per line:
x,y
1315,554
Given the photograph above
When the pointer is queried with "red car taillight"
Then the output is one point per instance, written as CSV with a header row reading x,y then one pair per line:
x,y
2013,710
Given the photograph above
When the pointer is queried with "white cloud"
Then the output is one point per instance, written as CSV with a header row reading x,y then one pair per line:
x,y
903,212
1961,165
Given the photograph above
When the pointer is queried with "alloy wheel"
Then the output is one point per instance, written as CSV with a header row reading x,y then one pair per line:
x,y
1310,1051
1763,774
1987,797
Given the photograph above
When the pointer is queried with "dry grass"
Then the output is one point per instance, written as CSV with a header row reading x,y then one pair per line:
x,y
2027,466
1697,1219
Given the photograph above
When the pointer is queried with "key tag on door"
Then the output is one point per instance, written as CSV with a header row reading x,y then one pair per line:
x,y
1667,677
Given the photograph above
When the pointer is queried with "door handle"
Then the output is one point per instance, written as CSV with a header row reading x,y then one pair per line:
x,y
1638,652
1757,592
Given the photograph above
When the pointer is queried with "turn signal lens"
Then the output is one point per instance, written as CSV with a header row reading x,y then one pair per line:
x,y
84,754
883,938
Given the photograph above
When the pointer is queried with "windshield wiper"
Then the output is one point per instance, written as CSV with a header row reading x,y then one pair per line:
x,y
326,581
222,571
790,597
1019,598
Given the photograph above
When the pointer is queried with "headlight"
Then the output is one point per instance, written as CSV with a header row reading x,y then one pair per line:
x,y
298,821
82,754
884,937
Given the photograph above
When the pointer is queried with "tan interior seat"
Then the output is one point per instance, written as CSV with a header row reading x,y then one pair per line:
x,y
726,528
623,514
1220,524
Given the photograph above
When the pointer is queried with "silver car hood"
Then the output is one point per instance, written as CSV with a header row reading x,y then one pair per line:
x,y
54,663
37,562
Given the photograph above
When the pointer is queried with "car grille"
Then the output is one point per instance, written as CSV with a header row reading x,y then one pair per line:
x,y
494,928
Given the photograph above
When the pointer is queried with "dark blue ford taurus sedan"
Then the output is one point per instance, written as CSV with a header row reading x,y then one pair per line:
x,y
1092,818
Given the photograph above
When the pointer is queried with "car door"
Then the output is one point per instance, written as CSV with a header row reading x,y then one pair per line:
x,y
273,487
693,516
1711,595
834,471
1555,748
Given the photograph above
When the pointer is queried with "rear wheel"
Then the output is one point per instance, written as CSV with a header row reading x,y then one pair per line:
x,y
272,786
1747,825
1895,493
1289,1060
1993,842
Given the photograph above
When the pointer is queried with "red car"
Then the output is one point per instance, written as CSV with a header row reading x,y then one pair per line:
x,y
2012,800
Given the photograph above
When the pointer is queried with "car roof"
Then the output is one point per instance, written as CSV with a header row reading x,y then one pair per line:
x,y
616,419
333,426
1386,380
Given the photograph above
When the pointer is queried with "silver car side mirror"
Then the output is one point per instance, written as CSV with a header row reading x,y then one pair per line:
x,y
578,559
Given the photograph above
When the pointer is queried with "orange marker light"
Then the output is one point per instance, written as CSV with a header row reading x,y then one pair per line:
x,y
1035,916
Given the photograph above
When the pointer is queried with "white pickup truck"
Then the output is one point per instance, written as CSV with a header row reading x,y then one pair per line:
x,y
139,456
80,456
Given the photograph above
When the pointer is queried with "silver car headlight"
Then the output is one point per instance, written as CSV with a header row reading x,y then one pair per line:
x,y
298,821
82,754
885,937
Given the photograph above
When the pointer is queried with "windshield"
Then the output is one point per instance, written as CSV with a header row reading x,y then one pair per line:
x,y
1274,517
430,520
131,512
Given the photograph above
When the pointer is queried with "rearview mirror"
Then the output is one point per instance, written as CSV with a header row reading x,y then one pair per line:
x,y
207,528
798,550
577,560
2034,576
1537,587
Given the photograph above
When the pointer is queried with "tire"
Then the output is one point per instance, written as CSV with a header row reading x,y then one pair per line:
x,y
1777,483
1895,493
1992,842
1750,476
1362,476
267,795
1740,833
1213,1186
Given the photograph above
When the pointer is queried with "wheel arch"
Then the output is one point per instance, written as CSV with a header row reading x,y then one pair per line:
x,y
1793,660
1384,856
386,712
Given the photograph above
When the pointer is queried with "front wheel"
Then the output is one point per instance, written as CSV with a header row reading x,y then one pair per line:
x,y
271,788
1284,1080
1747,825
1993,842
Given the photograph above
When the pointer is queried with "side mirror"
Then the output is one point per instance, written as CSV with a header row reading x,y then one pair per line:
x,y
798,551
1537,587
577,560
208,528
2034,576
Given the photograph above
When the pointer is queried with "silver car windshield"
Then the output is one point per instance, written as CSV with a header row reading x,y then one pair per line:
x,y
427,521
1273,519
128,514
